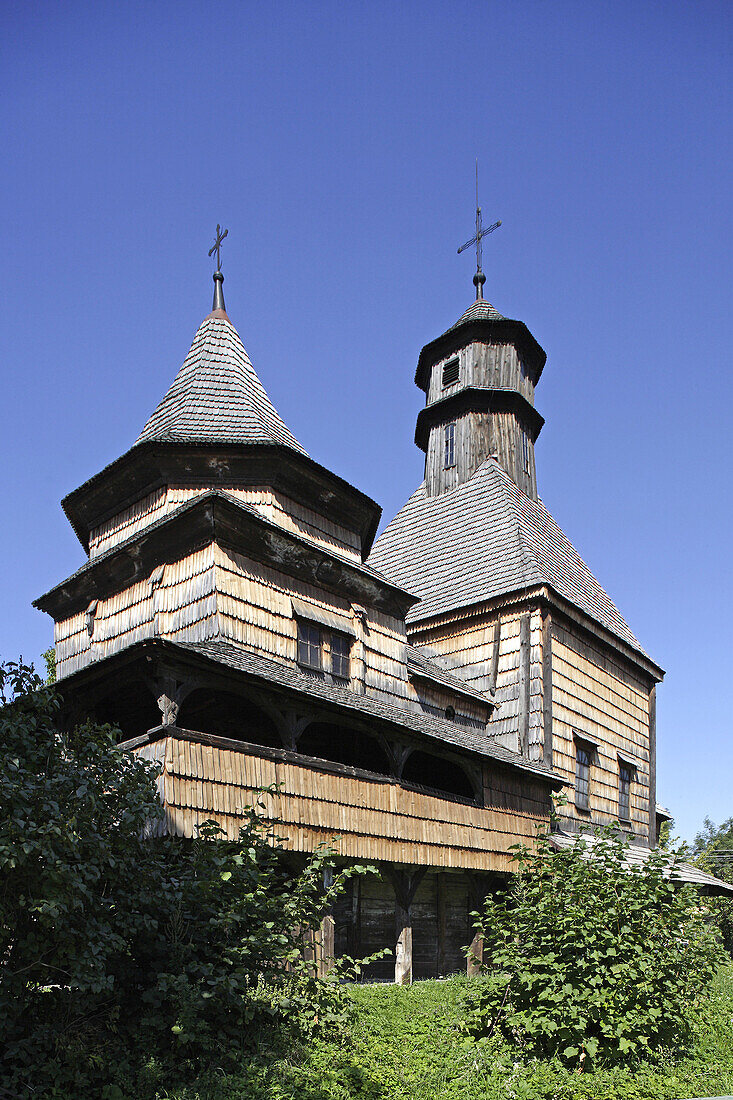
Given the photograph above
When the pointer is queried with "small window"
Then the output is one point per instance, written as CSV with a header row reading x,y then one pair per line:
x,y
309,645
340,656
450,372
625,779
450,713
525,453
582,776
450,445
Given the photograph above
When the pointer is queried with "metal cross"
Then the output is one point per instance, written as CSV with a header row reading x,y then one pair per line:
x,y
217,245
480,233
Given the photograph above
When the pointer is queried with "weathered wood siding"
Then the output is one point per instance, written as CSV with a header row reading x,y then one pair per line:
x,y
488,366
490,653
600,696
480,434
181,605
274,506
363,818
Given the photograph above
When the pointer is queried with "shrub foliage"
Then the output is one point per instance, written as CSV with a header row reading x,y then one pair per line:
x,y
122,956
588,959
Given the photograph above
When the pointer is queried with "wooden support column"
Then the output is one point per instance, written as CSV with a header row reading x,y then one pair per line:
x,y
441,906
404,884
524,683
547,687
476,895
653,766
326,952
494,669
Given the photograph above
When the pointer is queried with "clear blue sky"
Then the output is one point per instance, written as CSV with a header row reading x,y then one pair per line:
x,y
337,143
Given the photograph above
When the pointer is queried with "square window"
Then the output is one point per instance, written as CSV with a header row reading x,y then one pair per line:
x,y
450,445
340,656
309,645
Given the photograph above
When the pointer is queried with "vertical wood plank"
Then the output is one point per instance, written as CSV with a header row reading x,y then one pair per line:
x,y
547,687
524,683
653,766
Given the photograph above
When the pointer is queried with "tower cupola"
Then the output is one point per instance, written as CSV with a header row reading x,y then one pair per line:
x,y
479,379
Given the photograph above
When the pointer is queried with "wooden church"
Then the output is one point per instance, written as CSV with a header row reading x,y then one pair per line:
x,y
420,698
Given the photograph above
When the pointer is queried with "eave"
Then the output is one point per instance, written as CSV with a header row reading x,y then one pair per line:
x,y
147,466
214,516
486,332
542,595
473,399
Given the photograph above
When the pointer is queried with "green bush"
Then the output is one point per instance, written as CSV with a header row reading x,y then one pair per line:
x,y
126,957
589,960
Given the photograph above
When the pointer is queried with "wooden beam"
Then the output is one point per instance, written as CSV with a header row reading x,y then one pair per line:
x,y
404,884
653,766
441,912
524,683
494,673
547,687
477,891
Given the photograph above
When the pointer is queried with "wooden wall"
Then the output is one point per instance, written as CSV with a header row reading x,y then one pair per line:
x,y
363,818
274,506
501,652
599,695
593,692
486,366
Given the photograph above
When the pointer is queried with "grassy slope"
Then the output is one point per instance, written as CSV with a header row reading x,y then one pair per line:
x,y
406,1045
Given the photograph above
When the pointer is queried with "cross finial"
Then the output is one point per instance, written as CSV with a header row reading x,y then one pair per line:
x,y
479,278
217,245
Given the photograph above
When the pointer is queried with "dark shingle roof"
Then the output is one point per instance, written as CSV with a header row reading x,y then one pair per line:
x,y
636,856
217,396
484,539
425,665
439,729
479,311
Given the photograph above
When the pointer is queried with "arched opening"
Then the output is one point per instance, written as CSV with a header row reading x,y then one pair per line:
x,y
227,715
345,746
132,707
437,773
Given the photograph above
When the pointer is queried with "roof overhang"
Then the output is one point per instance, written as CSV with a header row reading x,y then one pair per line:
x,y
215,516
484,331
544,595
227,664
149,465
473,399
635,858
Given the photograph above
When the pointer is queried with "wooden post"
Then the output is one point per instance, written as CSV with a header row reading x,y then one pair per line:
x,y
326,940
403,948
494,672
547,687
404,884
441,907
476,895
653,766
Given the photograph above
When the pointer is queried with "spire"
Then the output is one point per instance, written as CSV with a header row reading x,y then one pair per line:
x,y
479,278
218,292
218,277
216,397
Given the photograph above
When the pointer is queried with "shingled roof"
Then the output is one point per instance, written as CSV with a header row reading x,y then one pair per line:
x,y
480,310
485,539
216,395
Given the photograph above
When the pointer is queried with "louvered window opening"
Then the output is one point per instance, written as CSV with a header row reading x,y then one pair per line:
x,y
625,780
450,445
582,777
324,650
451,371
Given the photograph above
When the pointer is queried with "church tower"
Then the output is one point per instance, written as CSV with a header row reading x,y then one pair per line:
x,y
479,379
505,598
